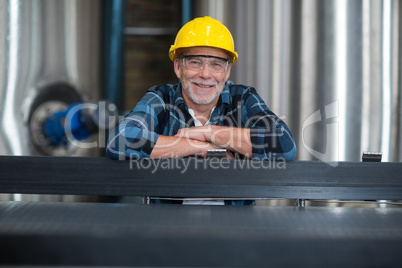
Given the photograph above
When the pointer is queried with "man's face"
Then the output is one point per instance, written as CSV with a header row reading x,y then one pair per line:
x,y
203,86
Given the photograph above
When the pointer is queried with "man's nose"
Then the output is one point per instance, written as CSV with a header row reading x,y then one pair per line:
x,y
205,71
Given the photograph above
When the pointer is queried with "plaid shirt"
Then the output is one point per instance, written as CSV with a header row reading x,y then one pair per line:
x,y
163,111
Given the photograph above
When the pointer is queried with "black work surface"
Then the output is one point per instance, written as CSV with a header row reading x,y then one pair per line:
x,y
80,234
200,178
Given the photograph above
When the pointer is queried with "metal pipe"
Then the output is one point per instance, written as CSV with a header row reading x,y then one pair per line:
x,y
331,68
43,44
186,6
114,52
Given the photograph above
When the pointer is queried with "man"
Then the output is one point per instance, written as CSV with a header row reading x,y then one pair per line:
x,y
204,111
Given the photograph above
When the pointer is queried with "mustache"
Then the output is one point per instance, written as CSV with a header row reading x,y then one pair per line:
x,y
201,82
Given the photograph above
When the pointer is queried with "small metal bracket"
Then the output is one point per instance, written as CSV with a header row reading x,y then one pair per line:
x,y
300,203
371,157
216,153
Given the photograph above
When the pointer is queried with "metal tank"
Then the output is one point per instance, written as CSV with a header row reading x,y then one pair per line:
x,y
49,58
331,69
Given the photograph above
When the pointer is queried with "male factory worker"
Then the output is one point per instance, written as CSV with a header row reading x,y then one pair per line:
x,y
204,110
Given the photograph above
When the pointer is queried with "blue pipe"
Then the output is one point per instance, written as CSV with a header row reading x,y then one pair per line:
x,y
113,52
186,11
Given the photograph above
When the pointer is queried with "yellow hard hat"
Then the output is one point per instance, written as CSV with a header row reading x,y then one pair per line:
x,y
204,31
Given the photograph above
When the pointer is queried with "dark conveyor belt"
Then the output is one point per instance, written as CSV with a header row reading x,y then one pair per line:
x,y
201,178
75,234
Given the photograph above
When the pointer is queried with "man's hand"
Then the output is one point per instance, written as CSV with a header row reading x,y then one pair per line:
x,y
197,141
174,147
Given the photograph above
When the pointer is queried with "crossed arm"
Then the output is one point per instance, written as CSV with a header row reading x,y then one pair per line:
x,y
261,133
129,139
197,140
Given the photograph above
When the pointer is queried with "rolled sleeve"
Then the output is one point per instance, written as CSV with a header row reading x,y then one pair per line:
x,y
267,144
269,135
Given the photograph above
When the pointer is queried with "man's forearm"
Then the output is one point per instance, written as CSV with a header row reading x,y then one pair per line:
x,y
174,147
231,138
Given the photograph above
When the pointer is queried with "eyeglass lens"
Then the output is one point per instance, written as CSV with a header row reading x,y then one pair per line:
x,y
197,63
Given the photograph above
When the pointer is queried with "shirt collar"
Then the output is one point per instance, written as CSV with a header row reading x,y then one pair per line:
x,y
225,94
198,123
178,97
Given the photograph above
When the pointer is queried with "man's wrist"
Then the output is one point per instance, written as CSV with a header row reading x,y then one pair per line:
x,y
220,136
199,148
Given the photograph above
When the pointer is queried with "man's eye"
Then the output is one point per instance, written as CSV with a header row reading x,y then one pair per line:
x,y
193,61
217,63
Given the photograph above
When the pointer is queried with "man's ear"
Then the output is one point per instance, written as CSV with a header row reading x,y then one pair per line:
x,y
228,72
177,68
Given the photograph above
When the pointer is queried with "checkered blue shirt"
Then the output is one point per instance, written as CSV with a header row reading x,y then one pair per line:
x,y
163,111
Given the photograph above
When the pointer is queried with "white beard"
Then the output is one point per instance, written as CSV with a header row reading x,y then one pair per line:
x,y
200,99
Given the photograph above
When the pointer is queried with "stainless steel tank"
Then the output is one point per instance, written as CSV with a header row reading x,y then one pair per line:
x,y
49,58
331,69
